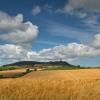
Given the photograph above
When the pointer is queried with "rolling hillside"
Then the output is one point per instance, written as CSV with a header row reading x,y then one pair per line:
x,y
32,63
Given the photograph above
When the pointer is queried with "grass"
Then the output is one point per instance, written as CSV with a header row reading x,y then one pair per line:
x,y
65,67
2,68
60,68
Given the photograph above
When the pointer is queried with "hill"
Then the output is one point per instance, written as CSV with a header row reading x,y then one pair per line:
x,y
32,63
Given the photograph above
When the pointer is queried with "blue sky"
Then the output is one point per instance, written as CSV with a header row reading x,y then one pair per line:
x,y
38,28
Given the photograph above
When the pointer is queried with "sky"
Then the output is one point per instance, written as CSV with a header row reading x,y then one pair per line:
x,y
50,30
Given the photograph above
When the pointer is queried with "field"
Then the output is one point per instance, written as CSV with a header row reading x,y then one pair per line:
x,y
12,73
66,74
53,85
2,68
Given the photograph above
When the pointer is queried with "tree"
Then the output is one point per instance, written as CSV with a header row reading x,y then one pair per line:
x,y
78,66
27,70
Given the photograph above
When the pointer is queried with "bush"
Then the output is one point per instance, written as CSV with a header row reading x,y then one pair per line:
x,y
1,76
8,68
35,69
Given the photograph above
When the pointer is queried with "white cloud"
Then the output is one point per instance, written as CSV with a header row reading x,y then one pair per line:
x,y
88,11
92,5
69,52
36,10
80,8
16,30
89,5
96,42
8,22
11,53
72,51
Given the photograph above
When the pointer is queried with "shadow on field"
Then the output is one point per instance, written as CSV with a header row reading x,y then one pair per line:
x,y
17,75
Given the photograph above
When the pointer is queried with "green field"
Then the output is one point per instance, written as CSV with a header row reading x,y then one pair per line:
x,y
2,68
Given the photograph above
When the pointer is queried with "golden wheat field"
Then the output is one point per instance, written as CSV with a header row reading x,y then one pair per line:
x,y
66,74
53,85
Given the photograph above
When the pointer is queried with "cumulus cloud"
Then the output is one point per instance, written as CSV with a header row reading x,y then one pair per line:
x,y
16,30
11,52
92,5
88,11
89,5
36,10
96,42
69,52
81,8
